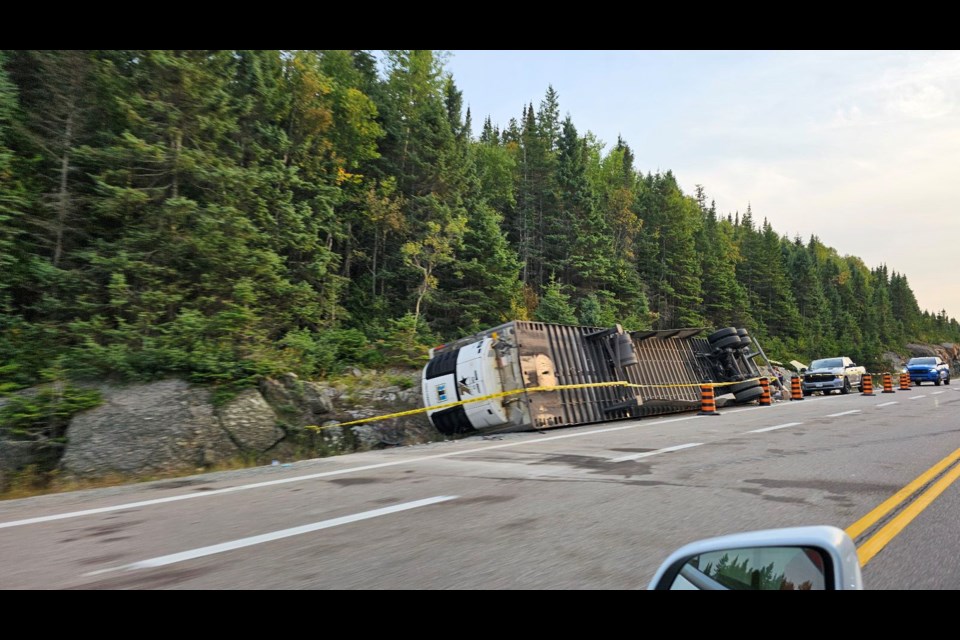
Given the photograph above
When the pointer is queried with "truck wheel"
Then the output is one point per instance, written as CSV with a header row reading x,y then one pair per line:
x,y
721,333
917,383
846,386
748,395
730,341
744,337
736,389
947,381
936,382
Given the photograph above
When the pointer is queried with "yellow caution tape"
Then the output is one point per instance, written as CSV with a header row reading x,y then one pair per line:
x,y
501,394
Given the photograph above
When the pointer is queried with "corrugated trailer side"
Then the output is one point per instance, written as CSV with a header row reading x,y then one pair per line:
x,y
665,358
553,354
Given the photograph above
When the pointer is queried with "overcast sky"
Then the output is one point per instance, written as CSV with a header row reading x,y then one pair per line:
x,y
860,148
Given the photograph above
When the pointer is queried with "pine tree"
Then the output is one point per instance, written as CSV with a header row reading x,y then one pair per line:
x,y
420,150
667,251
555,305
724,299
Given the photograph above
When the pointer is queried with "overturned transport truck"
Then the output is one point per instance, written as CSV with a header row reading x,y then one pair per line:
x,y
508,367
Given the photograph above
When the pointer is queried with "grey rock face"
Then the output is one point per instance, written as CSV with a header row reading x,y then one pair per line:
x,y
921,350
161,426
297,402
317,399
250,422
172,425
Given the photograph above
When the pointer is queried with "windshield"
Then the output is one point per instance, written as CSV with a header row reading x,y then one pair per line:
x,y
827,363
922,361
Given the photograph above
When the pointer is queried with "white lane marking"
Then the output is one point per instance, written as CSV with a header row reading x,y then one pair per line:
x,y
183,556
936,393
887,404
917,397
779,426
843,413
337,472
647,454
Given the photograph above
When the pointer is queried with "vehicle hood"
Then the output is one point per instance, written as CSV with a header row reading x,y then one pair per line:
x,y
922,367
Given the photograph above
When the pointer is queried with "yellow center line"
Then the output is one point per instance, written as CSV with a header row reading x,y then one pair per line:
x,y
892,502
872,547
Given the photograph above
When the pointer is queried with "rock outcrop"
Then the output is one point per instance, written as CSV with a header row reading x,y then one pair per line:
x,y
173,426
143,428
250,422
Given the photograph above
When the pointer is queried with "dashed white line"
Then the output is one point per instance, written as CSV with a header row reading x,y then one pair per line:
x,y
779,426
936,393
183,556
917,397
843,413
886,404
647,454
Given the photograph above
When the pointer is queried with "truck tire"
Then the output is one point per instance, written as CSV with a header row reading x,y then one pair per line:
x,y
736,389
748,395
730,341
947,381
721,333
845,389
936,382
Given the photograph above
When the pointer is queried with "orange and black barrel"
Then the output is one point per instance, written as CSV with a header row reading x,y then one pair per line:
x,y
708,405
765,396
888,383
867,385
796,393
904,382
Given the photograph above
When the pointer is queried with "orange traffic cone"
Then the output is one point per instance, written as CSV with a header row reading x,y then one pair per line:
x,y
796,393
867,385
904,382
765,396
708,406
888,383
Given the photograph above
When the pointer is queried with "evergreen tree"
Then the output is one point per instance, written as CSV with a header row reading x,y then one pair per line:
x,y
555,305
724,299
668,254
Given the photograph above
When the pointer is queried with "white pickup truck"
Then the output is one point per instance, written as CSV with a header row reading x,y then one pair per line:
x,y
829,374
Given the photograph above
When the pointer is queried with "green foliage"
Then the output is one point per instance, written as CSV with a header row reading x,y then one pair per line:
x,y
599,309
406,341
555,305
42,415
331,351
404,382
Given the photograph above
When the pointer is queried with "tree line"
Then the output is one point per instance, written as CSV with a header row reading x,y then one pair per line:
x,y
226,215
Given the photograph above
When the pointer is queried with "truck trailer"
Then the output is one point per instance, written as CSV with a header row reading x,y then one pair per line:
x,y
511,365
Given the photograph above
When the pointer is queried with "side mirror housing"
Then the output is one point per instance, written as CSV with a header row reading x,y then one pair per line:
x,y
797,558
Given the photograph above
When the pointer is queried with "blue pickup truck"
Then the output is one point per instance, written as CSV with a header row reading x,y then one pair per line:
x,y
928,369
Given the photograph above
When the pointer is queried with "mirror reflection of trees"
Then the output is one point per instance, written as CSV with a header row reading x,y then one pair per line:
x,y
797,569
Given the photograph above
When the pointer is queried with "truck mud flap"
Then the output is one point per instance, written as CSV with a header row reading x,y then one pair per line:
x,y
452,421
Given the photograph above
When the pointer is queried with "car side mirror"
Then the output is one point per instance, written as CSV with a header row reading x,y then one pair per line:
x,y
803,370
794,559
